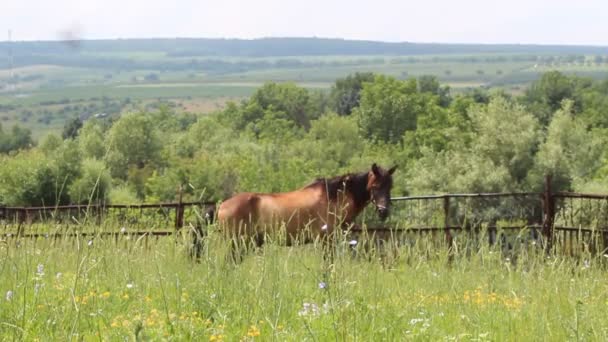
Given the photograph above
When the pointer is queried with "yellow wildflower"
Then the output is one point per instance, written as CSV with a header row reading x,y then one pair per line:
x,y
105,295
125,296
150,322
253,331
217,337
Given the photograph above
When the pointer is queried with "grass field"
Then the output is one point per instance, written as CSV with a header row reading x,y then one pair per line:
x,y
134,289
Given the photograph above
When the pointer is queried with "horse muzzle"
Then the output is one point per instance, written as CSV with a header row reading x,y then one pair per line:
x,y
382,212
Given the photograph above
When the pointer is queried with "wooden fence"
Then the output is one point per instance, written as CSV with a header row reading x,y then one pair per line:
x,y
574,221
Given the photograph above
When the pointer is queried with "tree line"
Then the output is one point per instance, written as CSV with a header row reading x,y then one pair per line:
x,y
284,136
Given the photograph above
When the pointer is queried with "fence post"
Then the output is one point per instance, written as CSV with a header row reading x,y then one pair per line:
x,y
179,212
446,223
549,209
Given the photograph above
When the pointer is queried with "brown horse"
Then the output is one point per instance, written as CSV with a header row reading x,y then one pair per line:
x,y
314,210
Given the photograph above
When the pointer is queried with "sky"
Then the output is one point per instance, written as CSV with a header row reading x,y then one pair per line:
x,y
568,22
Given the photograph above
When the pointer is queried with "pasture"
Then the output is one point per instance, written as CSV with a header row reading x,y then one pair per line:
x,y
130,287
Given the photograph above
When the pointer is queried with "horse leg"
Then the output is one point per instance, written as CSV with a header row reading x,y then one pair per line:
x,y
197,242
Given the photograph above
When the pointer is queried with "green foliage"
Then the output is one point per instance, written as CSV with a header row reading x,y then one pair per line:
x,y
571,152
291,102
33,178
93,185
345,93
545,96
121,194
331,143
430,84
50,143
456,171
389,108
133,141
18,138
495,157
281,138
72,128
507,134
91,140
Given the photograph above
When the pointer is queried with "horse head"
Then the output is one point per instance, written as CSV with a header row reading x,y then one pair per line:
x,y
379,184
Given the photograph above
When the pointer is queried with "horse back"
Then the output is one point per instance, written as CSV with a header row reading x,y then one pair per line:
x,y
295,209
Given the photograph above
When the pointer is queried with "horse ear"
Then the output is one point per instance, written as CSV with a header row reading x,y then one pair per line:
x,y
375,169
392,170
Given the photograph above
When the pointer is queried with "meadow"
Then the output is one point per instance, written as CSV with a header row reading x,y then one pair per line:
x,y
134,288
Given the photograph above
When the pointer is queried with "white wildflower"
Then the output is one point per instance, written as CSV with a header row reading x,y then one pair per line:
x,y
415,321
312,309
9,295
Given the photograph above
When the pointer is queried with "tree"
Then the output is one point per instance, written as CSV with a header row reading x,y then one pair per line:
x,y
545,96
93,185
288,98
71,128
389,108
345,93
294,102
91,140
18,138
430,84
497,156
571,153
133,141
507,134
331,143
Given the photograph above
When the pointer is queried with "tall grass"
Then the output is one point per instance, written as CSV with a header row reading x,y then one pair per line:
x,y
145,288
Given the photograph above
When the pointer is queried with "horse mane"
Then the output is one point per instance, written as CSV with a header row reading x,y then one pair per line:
x,y
354,184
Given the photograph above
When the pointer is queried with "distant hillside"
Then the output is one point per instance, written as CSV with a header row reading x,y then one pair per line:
x,y
268,47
